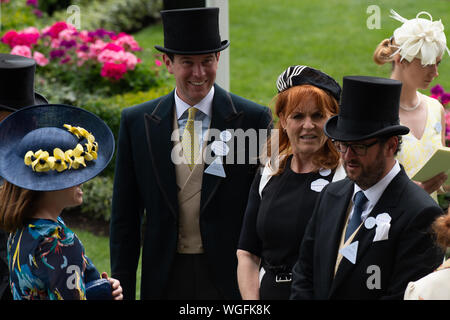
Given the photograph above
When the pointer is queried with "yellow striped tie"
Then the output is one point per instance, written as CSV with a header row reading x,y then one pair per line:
x,y
190,139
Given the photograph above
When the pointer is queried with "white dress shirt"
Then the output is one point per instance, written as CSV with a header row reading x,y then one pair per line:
x,y
202,119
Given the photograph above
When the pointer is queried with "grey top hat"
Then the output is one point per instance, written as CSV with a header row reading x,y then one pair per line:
x,y
17,83
192,31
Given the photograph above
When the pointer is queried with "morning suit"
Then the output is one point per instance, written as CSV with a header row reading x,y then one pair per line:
x,y
408,254
145,181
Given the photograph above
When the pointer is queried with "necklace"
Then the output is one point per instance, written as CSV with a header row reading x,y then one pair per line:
x,y
413,107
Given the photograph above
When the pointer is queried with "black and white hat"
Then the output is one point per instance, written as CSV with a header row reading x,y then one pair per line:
x,y
299,75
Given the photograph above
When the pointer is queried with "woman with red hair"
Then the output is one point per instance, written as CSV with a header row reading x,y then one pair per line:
x,y
282,198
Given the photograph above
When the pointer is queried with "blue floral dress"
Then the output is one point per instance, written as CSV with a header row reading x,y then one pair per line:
x,y
47,262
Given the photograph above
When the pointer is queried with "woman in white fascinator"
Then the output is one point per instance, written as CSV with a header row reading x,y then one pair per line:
x,y
415,51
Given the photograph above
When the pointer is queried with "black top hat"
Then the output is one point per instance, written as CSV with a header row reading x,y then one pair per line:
x,y
86,140
369,108
17,83
192,31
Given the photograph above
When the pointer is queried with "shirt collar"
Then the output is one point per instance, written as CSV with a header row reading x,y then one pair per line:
x,y
205,105
373,194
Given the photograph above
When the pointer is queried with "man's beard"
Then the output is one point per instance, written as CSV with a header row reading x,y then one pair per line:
x,y
370,174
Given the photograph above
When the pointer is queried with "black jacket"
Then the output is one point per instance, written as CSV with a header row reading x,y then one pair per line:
x,y
145,181
408,254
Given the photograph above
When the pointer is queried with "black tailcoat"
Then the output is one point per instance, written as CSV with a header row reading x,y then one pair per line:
x,y
145,181
408,254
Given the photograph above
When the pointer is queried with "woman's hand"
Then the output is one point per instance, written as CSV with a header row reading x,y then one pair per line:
x,y
115,285
433,183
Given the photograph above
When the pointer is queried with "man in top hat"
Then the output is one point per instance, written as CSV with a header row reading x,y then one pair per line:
x,y
369,233
193,209
16,92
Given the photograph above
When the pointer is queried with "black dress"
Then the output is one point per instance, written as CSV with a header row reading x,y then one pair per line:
x,y
274,225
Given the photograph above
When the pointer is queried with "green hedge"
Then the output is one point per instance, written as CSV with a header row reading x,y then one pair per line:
x,y
97,193
97,198
116,15
17,15
109,109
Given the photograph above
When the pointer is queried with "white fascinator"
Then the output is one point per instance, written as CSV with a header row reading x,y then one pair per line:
x,y
420,38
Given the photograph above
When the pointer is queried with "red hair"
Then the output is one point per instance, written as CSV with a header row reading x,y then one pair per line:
x,y
441,228
285,103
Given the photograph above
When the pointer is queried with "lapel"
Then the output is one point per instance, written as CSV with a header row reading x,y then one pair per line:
x,y
334,221
159,128
224,116
387,203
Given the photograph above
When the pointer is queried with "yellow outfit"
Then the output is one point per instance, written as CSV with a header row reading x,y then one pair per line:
x,y
415,153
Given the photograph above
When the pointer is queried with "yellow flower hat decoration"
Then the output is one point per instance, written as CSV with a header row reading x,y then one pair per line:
x,y
41,161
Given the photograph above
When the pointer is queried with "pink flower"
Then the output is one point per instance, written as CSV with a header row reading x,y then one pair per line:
x,y
130,60
437,90
31,30
158,63
9,37
113,71
67,34
33,3
21,51
27,37
55,43
46,30
126,41
82,57
40,59
445,98
113,47
84,36
57,27
109,56
96,48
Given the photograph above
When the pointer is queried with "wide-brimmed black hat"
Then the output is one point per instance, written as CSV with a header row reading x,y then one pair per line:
x,y
369,108
30,137
17,83
192,31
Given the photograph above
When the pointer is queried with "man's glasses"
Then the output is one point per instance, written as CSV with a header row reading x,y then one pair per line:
x,y
358,148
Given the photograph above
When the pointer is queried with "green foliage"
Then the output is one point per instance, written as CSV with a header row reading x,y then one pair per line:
x,y
116,15
97,198
70,84
97,249
109,109
16,15
50,6
444,200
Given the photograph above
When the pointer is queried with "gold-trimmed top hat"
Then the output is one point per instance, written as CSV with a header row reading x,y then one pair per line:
x,y
17,83
191,31
369,108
